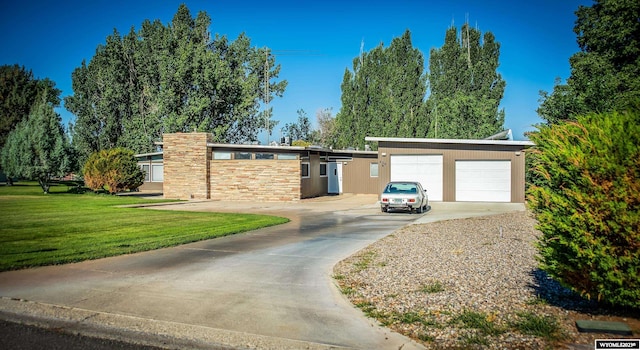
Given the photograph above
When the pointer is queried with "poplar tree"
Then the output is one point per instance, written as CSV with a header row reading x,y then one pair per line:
x,y
466,88
383,95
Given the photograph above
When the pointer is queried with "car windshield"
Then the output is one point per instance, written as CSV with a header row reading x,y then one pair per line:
x,y
400,187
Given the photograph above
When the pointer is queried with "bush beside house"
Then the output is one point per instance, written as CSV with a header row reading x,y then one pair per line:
x,y
585,193
116,169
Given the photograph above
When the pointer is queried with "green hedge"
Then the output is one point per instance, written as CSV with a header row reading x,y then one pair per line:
x,y
585,192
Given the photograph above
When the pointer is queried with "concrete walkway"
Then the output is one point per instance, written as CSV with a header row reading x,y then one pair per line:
x,y
266,289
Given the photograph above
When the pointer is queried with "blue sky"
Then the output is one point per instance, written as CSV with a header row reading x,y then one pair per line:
x,y
53,37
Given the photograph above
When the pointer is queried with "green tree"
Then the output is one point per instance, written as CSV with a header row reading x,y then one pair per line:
x,y
384,95
324,135
605,73
586,197
38,148
301,130
116,168
466,88
171,78
19,91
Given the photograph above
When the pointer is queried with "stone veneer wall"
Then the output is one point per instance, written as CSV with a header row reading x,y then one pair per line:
x,y
261,180
186,165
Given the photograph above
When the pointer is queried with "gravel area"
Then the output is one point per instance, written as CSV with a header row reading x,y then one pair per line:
x,y
469,283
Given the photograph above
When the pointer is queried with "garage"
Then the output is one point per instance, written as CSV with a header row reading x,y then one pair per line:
x,y
483,180
427,169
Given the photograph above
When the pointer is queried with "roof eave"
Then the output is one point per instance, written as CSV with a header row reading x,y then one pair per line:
x,y
451,141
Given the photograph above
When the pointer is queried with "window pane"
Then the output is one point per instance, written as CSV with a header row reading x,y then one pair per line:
x,y
157,172
221,155
242,155
323,169
305,169
145,169
288,156
264,156
373,169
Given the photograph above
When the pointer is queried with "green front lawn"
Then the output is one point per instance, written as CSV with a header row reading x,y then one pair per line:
x,y
61,227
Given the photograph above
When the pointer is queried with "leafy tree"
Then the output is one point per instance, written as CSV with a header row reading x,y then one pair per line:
x,y
115,168
605,73
586,196
301,130
171,78
38,148
384,95
19,91
466,88
324,135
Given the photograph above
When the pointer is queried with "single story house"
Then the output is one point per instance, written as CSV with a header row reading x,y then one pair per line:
x,y
190,166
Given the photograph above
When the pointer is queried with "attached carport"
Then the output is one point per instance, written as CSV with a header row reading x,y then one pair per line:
x,y
455,170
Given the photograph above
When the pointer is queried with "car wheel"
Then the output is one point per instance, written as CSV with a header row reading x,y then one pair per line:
x,y
419,210
384,209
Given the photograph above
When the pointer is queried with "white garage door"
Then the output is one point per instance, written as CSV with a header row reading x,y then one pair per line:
x,y
483,181
427,169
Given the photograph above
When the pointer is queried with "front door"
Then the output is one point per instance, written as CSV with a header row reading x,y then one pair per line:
x,y
335,178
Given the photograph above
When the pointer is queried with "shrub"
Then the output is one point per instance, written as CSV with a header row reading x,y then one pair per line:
x,y
586,198
115,168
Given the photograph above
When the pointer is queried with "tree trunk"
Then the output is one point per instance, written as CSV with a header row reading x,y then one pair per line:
x,y
45,185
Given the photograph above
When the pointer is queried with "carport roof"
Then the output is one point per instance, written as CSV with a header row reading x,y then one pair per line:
x,y
452,141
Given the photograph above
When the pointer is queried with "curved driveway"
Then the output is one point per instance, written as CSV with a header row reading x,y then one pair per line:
x,y
269,288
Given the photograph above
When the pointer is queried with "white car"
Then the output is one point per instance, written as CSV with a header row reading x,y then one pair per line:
x,y
405,195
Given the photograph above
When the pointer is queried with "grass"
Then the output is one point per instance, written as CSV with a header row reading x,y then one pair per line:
x,y
478,320
540,326
365,261
61,227
433,287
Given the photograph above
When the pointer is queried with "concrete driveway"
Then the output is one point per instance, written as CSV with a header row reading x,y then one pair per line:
x,y
268,289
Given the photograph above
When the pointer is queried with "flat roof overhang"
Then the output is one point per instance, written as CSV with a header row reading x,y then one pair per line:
x,y
524,144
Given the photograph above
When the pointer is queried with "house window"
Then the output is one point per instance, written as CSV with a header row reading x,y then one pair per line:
x,y
145,169
287,156
264,156
373,169
242,155
304,169
323,169
157,173
221,155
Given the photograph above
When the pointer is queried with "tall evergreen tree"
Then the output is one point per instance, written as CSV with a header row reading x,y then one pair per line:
x,y
384,95
466,88
170,78
19,92
605,73
38,148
